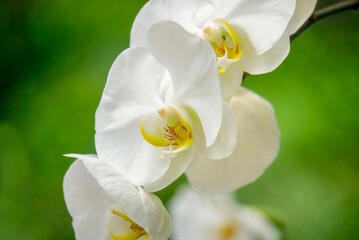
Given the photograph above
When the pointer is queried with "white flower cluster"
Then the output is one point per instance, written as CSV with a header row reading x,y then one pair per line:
x,y
173,104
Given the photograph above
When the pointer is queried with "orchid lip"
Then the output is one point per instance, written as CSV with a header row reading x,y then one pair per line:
x,y
167,128
224,41
227,231
132,232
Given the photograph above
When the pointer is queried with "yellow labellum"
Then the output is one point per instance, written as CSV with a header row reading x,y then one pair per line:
x,y
135,232
227,231
166,127
225,43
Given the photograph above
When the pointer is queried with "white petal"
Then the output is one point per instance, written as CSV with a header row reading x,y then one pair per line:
x,y
231,80
257,147
121,192
204,13
255,225
159,222
226,141
182,12
178,166
134,79
132,90
90,199
263,21
133,157
268,61
192,65
87,203
303,10
191,216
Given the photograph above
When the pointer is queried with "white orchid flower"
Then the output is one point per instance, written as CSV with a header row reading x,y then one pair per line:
x,y
199,216
152,125
256,147
105,206
161,105
246,36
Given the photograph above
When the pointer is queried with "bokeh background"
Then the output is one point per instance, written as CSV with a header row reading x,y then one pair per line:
x,y
55,56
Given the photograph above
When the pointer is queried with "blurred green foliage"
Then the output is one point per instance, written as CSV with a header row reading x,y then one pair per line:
x,y
55,56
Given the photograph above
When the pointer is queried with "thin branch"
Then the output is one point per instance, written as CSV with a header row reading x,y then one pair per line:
x,y
325,12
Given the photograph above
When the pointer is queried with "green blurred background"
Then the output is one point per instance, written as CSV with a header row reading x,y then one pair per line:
x,y
55,56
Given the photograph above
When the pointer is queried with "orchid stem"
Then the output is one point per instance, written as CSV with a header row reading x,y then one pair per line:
x,y
325,12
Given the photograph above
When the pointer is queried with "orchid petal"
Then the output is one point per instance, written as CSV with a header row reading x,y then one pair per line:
x,y
89,217
268,61
132,91
231,80
131,154
191,218
204,12
303,10
178,166
95,191
192,65
121,190
226,141
154,11
159,222
257,147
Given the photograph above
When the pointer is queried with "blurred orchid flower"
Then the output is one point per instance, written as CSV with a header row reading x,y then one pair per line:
x,y
246,36
199,216
161,105
105,206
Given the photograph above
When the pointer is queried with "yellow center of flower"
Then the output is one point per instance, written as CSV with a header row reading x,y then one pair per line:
x,y
227,231
224,40
131,231
166,127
